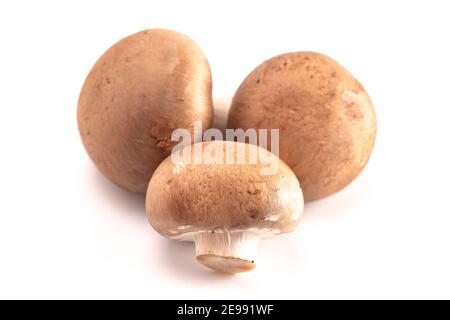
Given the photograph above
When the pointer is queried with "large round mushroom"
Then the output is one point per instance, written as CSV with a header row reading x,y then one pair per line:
x,y
326,119
225,207
137,93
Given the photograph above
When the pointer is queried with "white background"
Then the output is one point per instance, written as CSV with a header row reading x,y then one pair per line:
x,y
66,232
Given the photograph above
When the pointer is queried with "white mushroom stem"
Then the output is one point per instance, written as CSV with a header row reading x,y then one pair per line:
x,y
241,245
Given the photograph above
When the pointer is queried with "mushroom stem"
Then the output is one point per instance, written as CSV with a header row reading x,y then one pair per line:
x,y
227,251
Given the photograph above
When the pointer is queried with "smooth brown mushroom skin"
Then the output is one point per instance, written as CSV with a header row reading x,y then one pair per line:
x,y
185,197
138,92
224,208
326,119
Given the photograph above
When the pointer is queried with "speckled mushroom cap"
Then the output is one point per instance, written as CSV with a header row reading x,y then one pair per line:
x,y
184,198
139,91
326,119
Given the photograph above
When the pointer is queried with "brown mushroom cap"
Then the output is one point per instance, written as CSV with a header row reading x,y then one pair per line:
x,y
213,203
138,92
326,119
184,197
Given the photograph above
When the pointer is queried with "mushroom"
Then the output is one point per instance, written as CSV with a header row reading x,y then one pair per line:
x,y
138,92
225,207
326,119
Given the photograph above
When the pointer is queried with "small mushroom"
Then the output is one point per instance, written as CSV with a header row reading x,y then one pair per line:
x,y
138,92
326,119
225,207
